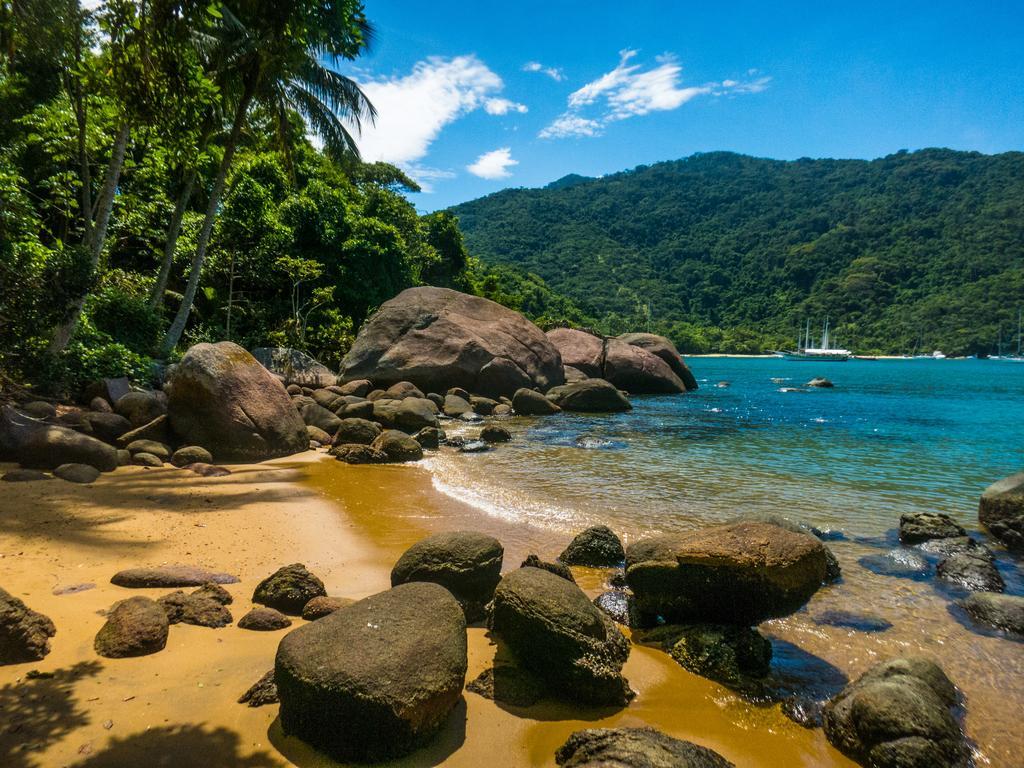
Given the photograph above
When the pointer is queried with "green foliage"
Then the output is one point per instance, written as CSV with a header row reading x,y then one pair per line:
x,y
734,253
118,308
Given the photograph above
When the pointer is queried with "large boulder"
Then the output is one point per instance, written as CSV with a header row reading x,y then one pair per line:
x,y
24,634
740,573
632,367
634,748
664,349
596,546
466,563
397,446
107,427
141,407
898,714
438,338
554,631
530,402
356,431
314,415
33,443
833,571
1001,510
376,679
222,399
294,366
288,589
589,396
135,627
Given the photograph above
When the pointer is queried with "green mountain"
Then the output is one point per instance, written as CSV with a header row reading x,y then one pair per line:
x,y
733,253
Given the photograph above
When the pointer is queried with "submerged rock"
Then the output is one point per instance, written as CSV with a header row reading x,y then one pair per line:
x,y
466,563
742,573
554,631
737,657
288,589
1004,612
974,571
220,397
618,605
24,633
900,563
898,714
596,546
916,527
135,627
377,679
861,622
820,382
634,748
438,338
1001,510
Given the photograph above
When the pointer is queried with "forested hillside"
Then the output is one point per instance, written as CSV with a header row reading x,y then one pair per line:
x,y
725,252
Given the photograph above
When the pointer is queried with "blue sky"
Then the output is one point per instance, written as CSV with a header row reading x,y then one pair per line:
x,y
476,97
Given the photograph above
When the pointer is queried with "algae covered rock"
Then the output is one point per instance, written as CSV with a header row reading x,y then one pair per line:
x,y
740,573
898,714
737,657
554,631
288,589
135,627
24,633
466,563
916,527
222,399
634,748
596,546
377,679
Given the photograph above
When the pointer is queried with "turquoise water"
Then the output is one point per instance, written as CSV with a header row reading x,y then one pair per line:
x,y
890,437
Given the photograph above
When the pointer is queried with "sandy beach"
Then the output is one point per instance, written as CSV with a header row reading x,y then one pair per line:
x,y
348,525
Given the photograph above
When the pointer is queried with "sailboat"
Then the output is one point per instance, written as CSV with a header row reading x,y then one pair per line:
x,y
822,353
1012,358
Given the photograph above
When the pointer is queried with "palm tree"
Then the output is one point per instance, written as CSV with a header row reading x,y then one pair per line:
x,y
277,49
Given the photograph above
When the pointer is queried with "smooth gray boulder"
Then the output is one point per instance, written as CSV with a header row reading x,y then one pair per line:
x,y
634,748
437,338
529,402
555,632
376,679
589,396
222,399
898,714
666,350
77,473
466,563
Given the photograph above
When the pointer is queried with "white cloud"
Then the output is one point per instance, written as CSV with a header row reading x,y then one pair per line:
x,y
503,107
494,164
554,73
629,91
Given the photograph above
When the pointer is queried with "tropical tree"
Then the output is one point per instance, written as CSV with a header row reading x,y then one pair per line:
x,y
277,54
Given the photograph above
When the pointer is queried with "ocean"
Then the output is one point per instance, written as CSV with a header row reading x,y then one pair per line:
x,y
891,437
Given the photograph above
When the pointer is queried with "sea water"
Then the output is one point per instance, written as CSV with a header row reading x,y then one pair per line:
x,y
891,437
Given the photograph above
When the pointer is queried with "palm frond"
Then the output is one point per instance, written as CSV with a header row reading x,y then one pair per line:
x,y
322,121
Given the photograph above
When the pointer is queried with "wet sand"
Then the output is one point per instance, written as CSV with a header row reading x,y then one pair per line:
x,y
348,525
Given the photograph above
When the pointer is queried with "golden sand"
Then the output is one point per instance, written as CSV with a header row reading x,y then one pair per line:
x,y
348,525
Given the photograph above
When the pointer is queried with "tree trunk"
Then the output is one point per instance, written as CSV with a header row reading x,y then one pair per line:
x,y
180,319
173,230
96,234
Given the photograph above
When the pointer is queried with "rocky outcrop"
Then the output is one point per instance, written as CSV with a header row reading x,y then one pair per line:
x,y
1004,612
294,366
529,402
288,589
554,631
222,399
596,546
632,367
741,573
24,633
666,350
634,748
135,627
466,563
33,443
589,396
377,679
1001,510
916,527
438,338
898,714
170,576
